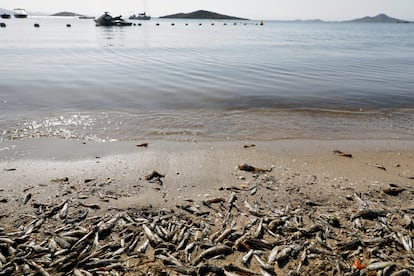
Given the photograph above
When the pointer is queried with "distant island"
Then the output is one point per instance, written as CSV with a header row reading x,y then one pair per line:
x,y
66,14
380,18
202,14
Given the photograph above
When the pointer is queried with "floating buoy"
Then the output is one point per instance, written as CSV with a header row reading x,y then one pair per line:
x,y
235,23
225,24
172,24
139,24
186,24
36,25
212,24
199,24
68,25
157,24
3,25
261,23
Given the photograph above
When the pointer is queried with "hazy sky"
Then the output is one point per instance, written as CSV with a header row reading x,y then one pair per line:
x,y
253,9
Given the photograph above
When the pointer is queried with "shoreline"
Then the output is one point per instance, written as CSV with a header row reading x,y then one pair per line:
x,y
296,177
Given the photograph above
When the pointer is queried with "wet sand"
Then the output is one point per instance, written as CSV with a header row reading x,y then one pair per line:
x,y
295,173
199,170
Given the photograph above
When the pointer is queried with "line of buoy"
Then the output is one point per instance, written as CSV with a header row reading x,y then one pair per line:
x,y
37,25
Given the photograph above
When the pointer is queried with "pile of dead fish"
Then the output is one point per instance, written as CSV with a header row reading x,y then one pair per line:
x,y
232,235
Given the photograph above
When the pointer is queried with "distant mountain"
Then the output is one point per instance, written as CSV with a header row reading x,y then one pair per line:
x,y
5,11
310,20
201,14
66,14
380,18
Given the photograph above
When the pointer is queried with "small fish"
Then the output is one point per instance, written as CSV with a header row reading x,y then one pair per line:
x,y
283,254
377,166
379,265
143,145
153,238
263,264
212,252
26,198
246,258
272,256
249,168
343,154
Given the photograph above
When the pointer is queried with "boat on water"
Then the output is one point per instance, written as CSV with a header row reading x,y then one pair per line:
x,y
86,17
107,20
20,13
140,16
5,16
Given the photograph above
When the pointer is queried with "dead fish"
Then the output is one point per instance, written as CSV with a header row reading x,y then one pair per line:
x,y
369,214
258,244
272,256
143,145
215,200
169,259
379,265
232,198
249,168
143,247
403,272
64,179
61,242
212,252
283,254
92,205
249,146
105,227
263,264
239,270
225,234
377,166
246,258
154,175
343,154
394,191
406,242
26,198
207,269
39,270
193,210
183,241
153,238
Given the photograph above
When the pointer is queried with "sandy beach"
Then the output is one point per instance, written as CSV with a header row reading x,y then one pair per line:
x,y
271,178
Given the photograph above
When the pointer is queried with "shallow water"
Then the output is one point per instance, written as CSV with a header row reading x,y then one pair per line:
x,y
281,80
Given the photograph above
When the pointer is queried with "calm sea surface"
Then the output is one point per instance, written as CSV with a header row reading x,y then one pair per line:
x,y
185,82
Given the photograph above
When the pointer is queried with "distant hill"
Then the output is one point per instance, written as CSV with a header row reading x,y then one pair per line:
x,y
310,20
66,14
201,14
5,11
380,18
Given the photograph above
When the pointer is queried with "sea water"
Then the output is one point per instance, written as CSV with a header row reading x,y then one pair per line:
x,y
205,80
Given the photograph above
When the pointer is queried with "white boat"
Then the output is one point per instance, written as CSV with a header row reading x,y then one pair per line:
x,y
143,15
140,16
20,13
